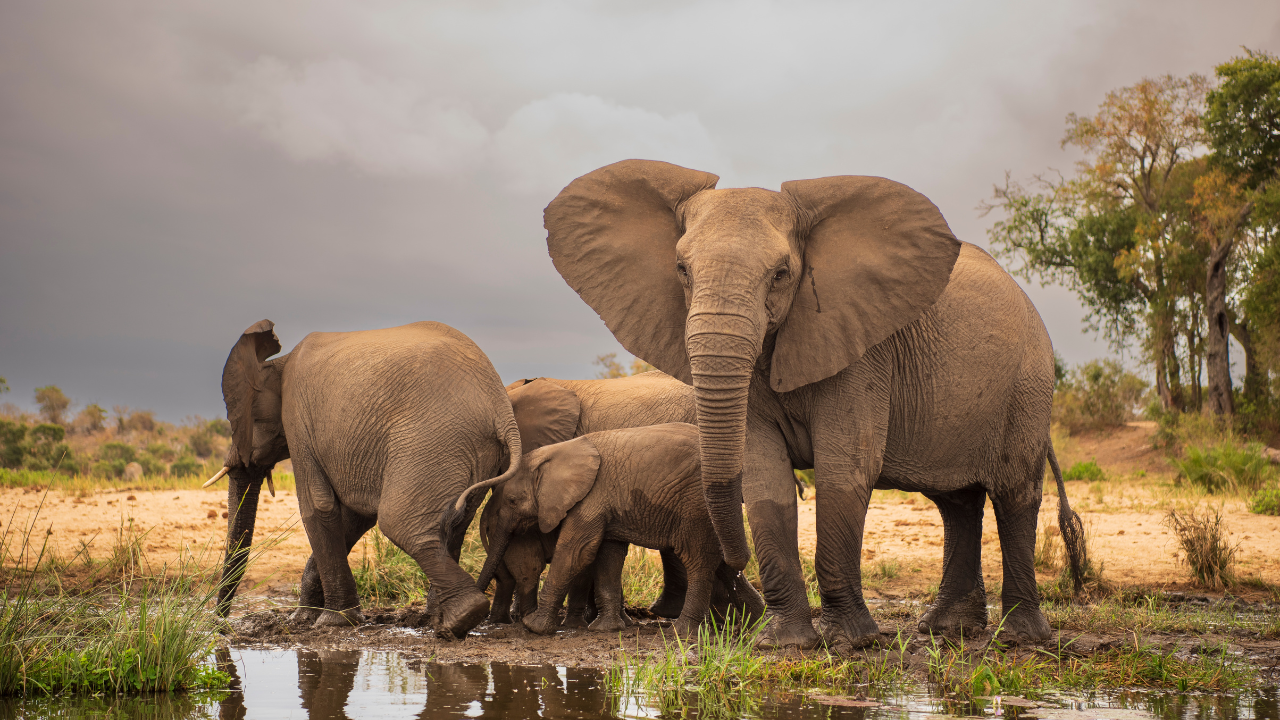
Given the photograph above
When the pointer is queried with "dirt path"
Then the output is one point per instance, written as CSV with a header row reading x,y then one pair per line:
x,y
903,546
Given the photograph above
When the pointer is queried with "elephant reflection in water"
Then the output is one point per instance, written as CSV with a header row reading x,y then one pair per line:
x,y
326,679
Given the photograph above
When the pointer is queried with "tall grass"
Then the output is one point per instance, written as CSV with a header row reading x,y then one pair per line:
x,y
1208,552
1226,467
85,485
122,626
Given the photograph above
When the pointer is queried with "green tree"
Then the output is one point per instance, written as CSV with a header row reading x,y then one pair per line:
x,y
90,420
1122,232
1242,121
53,403
4,385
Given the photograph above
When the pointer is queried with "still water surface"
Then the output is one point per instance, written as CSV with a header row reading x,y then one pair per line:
x,y
316,684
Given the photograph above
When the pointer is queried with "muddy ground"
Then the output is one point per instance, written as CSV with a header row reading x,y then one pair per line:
x,y
402,630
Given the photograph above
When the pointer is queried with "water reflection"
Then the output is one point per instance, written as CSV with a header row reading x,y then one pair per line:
x,y
316,684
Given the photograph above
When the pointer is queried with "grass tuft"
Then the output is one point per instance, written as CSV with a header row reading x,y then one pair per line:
x,y
1204,542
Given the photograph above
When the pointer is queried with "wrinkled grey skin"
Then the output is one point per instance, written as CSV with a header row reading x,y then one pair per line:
x,y
383,426
837,325
550,411
605,490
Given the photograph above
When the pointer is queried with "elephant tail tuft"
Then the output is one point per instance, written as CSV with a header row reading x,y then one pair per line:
x,y
1072,528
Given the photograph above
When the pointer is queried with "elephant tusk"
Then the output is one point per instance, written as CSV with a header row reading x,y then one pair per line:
x,y
215,478
271,486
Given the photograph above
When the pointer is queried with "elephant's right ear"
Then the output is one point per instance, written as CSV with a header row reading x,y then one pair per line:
x,y
545,413
566,471
612,234
242,380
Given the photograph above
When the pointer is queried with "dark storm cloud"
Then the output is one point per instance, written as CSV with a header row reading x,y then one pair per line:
x,y
171,172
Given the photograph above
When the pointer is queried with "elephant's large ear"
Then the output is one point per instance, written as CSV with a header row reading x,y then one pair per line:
x,y
612,235
242,380
565,475
545,413
877,255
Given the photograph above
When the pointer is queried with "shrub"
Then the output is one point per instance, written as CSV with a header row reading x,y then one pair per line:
x,y
1225,467
139,421
201,443
46,450
1087,471
117,451
185,466
162,452
13,445
1265,502
152,465
90,420
1098,394
1204,540
219,427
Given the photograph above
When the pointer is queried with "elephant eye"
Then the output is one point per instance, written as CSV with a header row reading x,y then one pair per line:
x,y
680,268
780,274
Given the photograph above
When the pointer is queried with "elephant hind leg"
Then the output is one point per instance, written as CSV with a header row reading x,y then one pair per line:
x,y
961,605
417,532
607,573
671,600
1016,519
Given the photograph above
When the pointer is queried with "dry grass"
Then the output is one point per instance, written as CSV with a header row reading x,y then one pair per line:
x,y
1208,552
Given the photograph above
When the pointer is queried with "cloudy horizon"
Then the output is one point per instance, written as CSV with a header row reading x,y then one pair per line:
x,y
172,172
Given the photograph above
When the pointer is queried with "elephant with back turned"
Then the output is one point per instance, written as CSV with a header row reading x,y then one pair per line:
x,y
550,411
383,426
839,325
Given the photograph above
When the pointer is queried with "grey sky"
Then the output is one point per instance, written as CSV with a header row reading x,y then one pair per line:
x,y
173,171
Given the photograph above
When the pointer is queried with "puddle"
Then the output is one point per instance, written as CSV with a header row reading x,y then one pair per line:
x,y
316,684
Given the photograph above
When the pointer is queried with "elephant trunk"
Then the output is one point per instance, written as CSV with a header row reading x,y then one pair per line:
x,y
491,561
721,365
242,500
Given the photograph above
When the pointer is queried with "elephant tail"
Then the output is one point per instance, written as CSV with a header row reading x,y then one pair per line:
x,y
1072,528
510,434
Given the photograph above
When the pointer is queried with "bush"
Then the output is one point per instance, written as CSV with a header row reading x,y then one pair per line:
x,y
219,427
185,466
1087,471
162,452
201,443
1225,467
1204,540
45,450
151,465
53,403
1096,395
13,444
1265,502
90,420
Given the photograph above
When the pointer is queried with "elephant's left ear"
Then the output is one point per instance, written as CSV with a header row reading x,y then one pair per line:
x,y
877,255
545,413
566,473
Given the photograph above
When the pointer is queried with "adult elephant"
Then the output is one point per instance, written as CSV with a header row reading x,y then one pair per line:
x,y
383,426
839,325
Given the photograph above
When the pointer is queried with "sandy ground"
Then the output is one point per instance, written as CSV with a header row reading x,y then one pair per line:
x,y
904,532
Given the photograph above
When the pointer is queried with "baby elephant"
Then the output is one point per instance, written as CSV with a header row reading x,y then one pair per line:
x,y
638,485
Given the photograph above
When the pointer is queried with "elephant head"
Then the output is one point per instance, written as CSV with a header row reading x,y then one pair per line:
x,y
711,286
545,414
251,388
550,481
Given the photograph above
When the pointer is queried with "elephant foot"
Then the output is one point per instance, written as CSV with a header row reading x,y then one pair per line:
x,y
541,622
340,618
779,635
306,615
667,606
966,615
500,615
462,614
609,622
851,632
575,621
685,628
1029,625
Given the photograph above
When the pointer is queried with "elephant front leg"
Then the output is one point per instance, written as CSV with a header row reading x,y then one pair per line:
x,y
671,600
768,488
578,599
607,569
846,622
1019,596
310,588
575,551
961,605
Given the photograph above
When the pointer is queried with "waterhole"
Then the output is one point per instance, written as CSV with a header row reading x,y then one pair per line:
x,y
316,684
